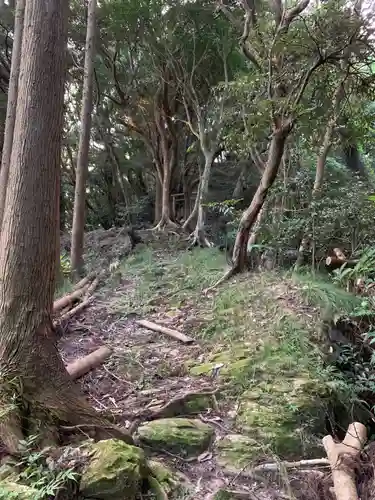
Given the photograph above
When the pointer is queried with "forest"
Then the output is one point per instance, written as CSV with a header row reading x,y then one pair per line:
x,y
187,250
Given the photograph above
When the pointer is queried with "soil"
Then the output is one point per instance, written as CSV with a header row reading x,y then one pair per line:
x,y
146,369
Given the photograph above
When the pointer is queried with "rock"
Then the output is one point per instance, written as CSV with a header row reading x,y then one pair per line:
x,y
7,471
182,436
115,471
284,414
16,491
161,478
234,451
233,361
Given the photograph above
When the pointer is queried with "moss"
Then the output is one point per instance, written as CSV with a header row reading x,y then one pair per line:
x,y
233,360
284,414
235,450
10,491
115,471
178,435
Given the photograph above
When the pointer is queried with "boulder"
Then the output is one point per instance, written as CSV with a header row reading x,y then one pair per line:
x,y
234,451
182,436
116,471
284,414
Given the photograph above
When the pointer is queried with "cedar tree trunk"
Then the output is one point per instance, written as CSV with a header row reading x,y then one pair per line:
x,y
12,103
32,372
84,143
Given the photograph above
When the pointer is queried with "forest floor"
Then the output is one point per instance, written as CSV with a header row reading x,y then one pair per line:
x,y
253,335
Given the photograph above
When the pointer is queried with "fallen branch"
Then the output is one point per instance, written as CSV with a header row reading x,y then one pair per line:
x,y
167,331
81,366
92,287
77,309
69,299
275,467
84,281
343,458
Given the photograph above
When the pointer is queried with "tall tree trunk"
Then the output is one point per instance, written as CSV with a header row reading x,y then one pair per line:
x,y
29,359
249,217
199,237
12,103
158,199
84,143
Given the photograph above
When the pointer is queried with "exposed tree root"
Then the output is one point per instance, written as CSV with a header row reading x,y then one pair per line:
x,y
199,239
175,406
165,224
229,274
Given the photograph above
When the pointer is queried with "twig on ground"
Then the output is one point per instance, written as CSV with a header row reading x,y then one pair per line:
x,y
117,378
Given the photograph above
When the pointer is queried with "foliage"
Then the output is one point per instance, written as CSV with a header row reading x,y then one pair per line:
x,y
35,472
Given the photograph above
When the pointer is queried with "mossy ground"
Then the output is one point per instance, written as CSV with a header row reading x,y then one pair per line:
x,y
258,331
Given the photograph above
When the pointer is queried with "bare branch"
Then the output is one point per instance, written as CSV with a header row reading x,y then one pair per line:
x,y
292,13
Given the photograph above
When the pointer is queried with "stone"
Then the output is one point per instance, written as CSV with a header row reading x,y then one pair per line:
x,y
234,451
182,436
116,471
16,491
233,361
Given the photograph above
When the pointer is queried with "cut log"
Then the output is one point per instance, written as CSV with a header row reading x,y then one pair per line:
x,y
81,366
339,254
85,281
77,309
344,459
92,287
69,299
167,331
335,262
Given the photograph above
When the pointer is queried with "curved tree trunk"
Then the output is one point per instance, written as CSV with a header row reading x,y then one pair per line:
x,y
84,143
29,359
249,217
12,103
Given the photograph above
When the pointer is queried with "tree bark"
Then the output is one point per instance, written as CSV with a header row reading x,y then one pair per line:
x,y
199,237
30,365
12,103
84,143
249,217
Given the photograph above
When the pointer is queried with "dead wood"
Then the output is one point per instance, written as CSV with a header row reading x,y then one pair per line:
x,y
69,299
339,254
81,366
176,405
77,309
335,262
85,281
167,331
344,459
100,432
277,466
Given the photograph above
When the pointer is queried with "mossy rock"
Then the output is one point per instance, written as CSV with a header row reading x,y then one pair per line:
x,y
236,450
16,491
284,414
115,472
182,436
234,360
8,472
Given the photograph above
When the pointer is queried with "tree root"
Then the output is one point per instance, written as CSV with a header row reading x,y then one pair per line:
x,y
164,225
173,407
199,240
229,274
